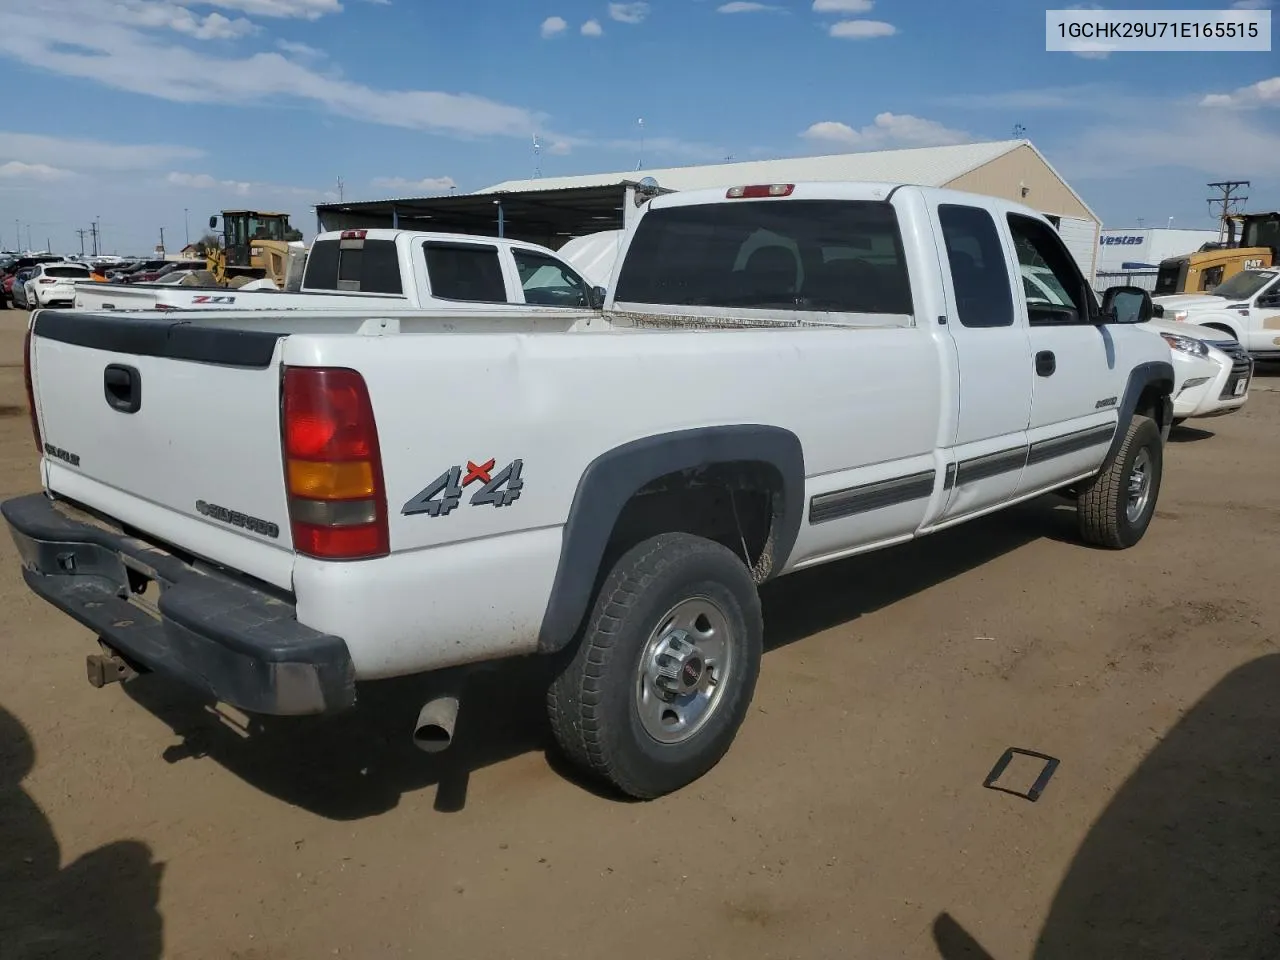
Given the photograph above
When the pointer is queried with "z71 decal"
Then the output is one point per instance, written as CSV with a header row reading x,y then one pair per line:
x,y
210,298
444,493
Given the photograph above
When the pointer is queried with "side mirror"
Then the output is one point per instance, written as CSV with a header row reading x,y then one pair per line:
x,y
598,297
1157,310
213,222
1126,305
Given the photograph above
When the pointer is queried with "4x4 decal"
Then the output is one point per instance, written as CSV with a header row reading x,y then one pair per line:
x,y
444,493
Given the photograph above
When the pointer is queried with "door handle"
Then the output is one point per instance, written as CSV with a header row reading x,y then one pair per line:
x,y
123,388
1046,363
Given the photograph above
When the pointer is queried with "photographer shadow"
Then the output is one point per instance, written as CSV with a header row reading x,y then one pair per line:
x,y
103,905
1185,859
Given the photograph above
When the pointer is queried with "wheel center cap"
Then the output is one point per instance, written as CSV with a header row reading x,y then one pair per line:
x,y
678,665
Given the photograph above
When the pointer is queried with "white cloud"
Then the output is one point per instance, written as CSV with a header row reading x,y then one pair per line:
x,y
214,27
299,9
303,50
40,150
629,12
842,6
552,26
203,181
17,170
1264,93
1093,97
90,43
889,130
1186,137
745,6
1251,4
592,28
427,185
861,29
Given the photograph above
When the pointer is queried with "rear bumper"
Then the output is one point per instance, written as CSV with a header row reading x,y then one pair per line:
x,y
229,640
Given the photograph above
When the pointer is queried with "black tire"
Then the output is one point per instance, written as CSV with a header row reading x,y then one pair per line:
x,y
594,702
1102,508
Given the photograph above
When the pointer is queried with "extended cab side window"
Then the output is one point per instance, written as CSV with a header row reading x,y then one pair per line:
x,y
465,271
978,271
548,282
1044,260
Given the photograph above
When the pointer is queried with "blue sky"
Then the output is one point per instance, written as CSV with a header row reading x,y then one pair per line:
x,y
132,110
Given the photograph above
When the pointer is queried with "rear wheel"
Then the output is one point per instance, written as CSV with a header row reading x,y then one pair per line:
x,y
664,674
1115,507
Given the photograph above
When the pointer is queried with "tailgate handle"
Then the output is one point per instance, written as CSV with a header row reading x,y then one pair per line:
x,y
123,388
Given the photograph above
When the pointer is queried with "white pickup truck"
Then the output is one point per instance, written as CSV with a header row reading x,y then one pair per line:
x,y
1246,307
383,270
784,375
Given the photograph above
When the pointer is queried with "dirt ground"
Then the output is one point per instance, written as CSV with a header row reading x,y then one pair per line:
x,y
849,820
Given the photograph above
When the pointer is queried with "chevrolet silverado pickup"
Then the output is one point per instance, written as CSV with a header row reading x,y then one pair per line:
x,y
783,375
383,270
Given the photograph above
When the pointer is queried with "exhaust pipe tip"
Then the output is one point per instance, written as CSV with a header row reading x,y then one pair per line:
x,y
433,733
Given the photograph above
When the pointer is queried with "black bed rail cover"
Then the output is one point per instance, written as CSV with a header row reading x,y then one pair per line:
x,y
159,337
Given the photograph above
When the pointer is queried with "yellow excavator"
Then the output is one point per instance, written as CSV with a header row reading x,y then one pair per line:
x,y
1258,246
254,246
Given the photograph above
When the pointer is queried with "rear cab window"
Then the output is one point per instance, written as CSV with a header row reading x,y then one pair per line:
x,y
842,256
369,266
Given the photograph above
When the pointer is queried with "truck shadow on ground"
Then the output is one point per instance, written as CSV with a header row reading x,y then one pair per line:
x,y
1185,434
359,764
103,905
1185,859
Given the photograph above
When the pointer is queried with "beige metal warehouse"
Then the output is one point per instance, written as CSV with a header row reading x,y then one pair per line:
x,y
1010,169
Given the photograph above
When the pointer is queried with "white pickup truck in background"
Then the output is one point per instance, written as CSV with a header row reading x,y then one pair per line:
x,y
1246,307
783,376
383,270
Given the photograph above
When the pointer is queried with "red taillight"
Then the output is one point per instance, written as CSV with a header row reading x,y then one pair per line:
x,y
31,393
333,467
48,280
755,191
354,234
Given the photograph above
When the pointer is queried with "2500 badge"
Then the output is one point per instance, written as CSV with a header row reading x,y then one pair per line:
x,y
444,493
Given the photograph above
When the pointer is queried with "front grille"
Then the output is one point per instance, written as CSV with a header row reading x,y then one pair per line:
x,y
1241,365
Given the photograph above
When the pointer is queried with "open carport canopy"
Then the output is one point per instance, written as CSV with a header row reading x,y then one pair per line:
x,y
546,217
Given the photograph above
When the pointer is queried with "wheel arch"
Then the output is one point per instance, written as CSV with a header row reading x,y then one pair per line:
x,y
1149,392
613,480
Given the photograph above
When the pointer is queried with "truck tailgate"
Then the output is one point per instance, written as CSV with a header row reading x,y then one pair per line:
x,y
170,428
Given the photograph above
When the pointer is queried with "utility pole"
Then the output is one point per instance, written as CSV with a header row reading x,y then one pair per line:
x,y
28,236
1229,202
82,232
93,230
162,241
341,192
640,124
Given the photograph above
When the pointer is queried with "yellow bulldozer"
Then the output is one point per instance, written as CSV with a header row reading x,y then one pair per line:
x,y
254,246
1257,246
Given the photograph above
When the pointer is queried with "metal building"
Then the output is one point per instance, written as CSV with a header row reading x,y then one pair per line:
x,y
550,210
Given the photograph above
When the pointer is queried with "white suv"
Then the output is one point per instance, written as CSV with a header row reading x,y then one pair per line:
x,y
54,284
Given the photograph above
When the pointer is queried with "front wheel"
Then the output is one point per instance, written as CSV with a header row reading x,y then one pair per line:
x,y
1115,507
664,674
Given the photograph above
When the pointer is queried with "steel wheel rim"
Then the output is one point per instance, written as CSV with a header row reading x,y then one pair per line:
x,y
693,637
1139,486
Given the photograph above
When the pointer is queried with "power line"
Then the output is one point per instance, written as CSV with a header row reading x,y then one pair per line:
x,y
1229,202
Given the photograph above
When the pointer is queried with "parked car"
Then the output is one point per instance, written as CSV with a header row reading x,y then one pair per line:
x,y
22,262
18,288
54,284
783,375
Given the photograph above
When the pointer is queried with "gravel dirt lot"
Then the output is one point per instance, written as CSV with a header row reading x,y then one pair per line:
x,y
849,820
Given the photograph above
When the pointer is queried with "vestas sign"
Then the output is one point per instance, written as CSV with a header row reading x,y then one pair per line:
x,y
1121,241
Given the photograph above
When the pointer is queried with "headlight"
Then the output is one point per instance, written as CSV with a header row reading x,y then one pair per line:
x,y
1185,345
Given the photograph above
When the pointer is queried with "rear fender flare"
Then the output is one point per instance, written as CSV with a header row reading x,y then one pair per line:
x,y
615,476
